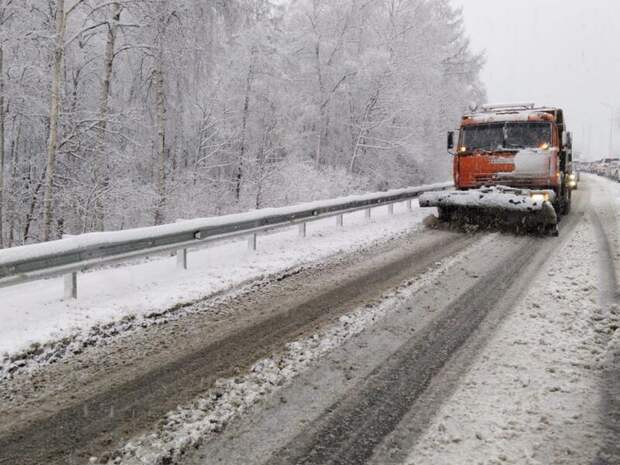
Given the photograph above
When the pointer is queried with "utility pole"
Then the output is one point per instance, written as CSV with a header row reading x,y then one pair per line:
x,y
611,134
614,109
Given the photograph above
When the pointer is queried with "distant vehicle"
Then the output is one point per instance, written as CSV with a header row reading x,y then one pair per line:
x,y
608,167
511,165
613,170
573,180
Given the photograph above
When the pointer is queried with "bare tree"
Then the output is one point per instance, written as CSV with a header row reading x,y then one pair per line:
x,y
5,15
244,121
2,136
163,18
160,102
101,175
54,117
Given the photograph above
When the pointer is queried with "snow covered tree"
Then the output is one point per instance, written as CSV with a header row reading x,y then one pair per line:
x,y
123,113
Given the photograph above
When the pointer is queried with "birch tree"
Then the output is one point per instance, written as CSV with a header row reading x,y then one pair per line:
x,y
2,137
101,175
54,118
6,14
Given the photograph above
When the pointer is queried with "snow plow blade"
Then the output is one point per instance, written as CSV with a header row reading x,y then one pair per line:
x,y
497,207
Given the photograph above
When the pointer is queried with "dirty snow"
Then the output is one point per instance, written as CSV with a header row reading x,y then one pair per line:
x,y
501,197
190,425
34,312
608,190
532,396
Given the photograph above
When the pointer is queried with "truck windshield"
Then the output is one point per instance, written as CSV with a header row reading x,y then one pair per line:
x,y
494,136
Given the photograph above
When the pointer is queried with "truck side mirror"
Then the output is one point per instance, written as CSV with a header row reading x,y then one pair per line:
x,y
450,140
564,139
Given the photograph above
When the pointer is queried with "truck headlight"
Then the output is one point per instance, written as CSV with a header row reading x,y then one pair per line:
x,y
540,197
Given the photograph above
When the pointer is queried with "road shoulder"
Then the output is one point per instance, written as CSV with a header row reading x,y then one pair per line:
x,y
532,396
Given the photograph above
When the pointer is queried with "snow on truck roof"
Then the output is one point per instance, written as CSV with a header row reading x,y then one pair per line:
x,y
502,112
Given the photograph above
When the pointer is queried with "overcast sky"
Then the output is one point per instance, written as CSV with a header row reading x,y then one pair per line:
x,y
554,52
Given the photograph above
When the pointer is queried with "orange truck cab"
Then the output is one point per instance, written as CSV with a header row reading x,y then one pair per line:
x,y
516,145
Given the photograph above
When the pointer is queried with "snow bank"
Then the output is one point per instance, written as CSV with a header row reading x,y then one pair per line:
x,y
499,197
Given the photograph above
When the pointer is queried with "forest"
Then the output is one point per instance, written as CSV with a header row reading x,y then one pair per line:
x,y
123,113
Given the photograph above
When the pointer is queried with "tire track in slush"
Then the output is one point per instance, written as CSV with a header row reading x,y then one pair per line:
x,y
610,404
355,425
99,424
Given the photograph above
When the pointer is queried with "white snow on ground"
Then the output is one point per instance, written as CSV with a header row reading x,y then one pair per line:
x,y
34,312
532,395
190,425
608,189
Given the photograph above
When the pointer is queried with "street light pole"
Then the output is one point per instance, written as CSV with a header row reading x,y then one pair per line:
x,y
611,134
614,110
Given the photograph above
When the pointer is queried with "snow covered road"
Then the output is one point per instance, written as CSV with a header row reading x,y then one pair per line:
x,y
431,347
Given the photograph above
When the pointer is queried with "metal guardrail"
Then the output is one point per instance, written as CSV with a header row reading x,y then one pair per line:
x,y
78,253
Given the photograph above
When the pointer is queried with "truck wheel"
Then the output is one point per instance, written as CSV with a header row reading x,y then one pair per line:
x,y
558,206
566,202
445,214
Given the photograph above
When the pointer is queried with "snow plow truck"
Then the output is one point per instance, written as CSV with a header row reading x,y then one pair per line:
x,y
511,167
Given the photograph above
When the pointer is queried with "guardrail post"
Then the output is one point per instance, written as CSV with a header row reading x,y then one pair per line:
x,y
71,286
302,229
391,209
368,214
340,220
409,206
182,259
252,242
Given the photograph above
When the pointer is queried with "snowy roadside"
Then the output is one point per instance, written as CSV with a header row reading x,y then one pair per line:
x,y
111,298
606,202
533,394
